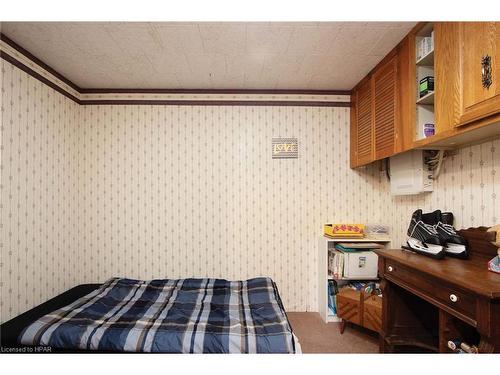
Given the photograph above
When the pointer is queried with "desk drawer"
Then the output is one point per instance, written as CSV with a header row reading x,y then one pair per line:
x,y
458,301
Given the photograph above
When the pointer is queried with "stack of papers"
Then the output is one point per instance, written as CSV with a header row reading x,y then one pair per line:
x,y
357,246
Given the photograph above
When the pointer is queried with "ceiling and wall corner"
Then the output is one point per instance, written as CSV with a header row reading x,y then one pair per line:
x,y
24,60
210,55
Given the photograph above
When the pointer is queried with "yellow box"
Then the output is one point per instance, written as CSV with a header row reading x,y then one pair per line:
x,y
345,230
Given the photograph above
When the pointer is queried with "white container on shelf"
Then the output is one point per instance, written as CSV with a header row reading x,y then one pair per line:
x,y
360,265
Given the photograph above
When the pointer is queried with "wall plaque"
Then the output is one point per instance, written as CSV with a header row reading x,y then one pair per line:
x,y
285,148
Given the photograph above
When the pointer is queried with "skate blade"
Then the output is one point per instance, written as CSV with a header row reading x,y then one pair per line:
x,y
428,248
455,248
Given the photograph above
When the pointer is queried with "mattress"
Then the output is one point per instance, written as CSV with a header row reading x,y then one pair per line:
x,y
169,316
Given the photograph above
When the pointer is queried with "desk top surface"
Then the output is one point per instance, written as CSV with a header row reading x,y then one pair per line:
x,y
470,274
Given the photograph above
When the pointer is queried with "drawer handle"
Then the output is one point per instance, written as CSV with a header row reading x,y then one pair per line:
x,y
390,269
453,298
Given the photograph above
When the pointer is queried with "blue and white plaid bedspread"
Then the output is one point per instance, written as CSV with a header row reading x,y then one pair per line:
x,y
170,316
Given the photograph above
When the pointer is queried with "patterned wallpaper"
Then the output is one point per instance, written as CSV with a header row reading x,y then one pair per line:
x,y
92,192
39,192
193,191
468,186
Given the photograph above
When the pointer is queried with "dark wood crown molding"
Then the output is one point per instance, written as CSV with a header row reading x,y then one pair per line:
x,y
215,102
37,76
37,61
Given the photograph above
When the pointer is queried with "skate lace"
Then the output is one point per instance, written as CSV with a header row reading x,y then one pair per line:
x,y
448,227
430,228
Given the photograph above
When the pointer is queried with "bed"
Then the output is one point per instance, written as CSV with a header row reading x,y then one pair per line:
x,y
159,316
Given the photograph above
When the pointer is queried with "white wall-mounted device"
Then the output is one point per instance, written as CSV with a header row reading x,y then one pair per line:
x,y
410,174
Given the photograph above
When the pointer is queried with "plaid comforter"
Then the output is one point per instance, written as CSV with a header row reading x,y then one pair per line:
x,y
170,316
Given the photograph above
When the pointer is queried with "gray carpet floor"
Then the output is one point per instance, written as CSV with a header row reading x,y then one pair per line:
x,y
315,336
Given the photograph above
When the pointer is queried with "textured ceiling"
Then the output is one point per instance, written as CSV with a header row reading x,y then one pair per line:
x,y
314,56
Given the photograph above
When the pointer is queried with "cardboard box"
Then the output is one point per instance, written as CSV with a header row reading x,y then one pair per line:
x,y
344,230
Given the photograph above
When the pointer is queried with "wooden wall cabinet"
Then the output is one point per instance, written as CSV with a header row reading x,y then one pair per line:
x,y
466,111
385,116
480,63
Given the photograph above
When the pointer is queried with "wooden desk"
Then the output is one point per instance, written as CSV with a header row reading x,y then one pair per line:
x,y
427,302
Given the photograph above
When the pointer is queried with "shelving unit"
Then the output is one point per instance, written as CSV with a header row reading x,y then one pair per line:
x,y
323,276
424,66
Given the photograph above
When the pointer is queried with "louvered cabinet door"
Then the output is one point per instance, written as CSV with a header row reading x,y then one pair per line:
x,y
385,98
364,129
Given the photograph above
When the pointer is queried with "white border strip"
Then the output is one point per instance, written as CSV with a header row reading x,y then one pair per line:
x,y
216,96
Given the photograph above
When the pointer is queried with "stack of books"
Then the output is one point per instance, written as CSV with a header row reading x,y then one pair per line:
x,y
336,264
350,247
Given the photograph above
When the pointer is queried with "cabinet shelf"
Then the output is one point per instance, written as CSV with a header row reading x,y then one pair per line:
x,y
426,60
427,99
